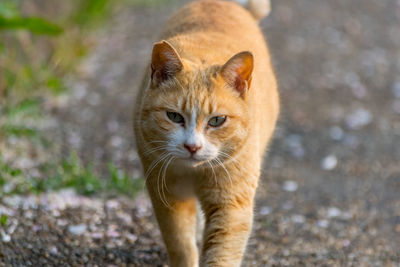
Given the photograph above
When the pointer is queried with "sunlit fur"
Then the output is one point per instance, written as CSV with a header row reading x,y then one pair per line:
x,y
223,174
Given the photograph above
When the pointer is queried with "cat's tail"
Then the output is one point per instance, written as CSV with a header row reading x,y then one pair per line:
x,y
258,8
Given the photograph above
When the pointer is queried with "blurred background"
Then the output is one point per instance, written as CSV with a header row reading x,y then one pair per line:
x,y
71,190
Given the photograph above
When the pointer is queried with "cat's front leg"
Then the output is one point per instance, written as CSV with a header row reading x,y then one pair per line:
x,y
177,221
228,226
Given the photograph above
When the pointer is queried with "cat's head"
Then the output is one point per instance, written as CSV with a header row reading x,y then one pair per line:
x,y
196,114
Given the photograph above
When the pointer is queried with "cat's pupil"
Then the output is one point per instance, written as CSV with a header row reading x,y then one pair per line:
x,y
216,121
175,117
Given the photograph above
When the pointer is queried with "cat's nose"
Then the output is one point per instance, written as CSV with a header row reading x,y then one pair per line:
x,y
192,148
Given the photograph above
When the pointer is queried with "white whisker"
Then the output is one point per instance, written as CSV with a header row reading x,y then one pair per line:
x,y
162,193
155,163
165,171
212,168
228,156
158,148
223,166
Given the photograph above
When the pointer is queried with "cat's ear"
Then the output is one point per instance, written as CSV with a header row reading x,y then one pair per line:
x,y
237,71
165,62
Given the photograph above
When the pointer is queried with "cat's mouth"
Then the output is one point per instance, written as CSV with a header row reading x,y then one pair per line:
x,y
192,161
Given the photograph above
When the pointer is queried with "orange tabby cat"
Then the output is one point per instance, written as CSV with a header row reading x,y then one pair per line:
x,y
205,113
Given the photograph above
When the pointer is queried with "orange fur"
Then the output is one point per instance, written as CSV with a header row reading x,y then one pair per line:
x,y
201,68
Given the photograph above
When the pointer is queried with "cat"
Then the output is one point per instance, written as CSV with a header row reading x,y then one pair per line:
x,y
204,115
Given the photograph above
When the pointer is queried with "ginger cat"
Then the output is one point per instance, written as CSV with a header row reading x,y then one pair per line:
x,y
205,113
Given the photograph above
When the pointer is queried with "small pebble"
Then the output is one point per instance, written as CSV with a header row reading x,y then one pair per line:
x,y
112,233
62,222
329,162
97,235
286,252
53,250
5,238
297,218
346,243
333,212
112,204
77,229
290,186
131,237
322,223
116,141
359,118
265,210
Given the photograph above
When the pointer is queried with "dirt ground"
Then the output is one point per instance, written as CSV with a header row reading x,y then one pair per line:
x,y
330,192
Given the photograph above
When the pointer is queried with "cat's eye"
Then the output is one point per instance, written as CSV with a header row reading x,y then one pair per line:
x,y
175,117
217,121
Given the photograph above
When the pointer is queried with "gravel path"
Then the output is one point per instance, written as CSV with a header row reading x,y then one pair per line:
x,y
330,193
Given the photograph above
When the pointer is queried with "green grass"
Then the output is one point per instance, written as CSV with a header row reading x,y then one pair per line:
x,y
120,182
18,120
32,24
69,173
3,220
37,50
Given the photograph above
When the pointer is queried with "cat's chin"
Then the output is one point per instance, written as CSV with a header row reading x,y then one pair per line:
x,y
190,162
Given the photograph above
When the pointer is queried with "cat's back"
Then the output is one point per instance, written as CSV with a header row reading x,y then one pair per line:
x,y
210,16
214,23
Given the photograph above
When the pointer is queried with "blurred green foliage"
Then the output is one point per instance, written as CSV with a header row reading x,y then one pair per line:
x,y
3,220
120,181
40,43
35,25
9,9
13,120
69,173
91,12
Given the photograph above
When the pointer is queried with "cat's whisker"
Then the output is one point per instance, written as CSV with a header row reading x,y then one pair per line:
x,y
151,151
227,172
151,168
164,181
162,193
212,168
228,156
157,141
165,171
155,163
